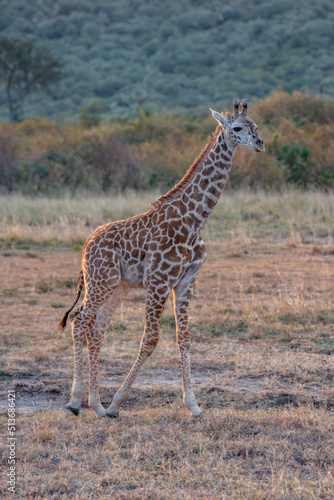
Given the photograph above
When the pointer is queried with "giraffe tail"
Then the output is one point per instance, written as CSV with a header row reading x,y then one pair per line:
x,y
63,322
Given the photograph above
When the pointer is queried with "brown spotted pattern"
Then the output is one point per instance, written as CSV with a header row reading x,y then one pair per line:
x,y
160,250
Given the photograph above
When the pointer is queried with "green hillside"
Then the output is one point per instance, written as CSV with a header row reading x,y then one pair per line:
x,y
175,56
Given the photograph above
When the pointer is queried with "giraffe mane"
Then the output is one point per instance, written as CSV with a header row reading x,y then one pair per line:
x,y
185,181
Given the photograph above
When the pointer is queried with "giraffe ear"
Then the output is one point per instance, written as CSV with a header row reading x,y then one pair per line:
x,y
220,118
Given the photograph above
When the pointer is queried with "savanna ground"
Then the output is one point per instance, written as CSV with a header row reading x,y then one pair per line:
x,y
262,357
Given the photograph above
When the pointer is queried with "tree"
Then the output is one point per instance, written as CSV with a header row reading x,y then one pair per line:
x,y
25,68
9,156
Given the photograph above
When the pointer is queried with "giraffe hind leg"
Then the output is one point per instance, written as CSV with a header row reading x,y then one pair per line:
x,y
94,335
77,386
96,295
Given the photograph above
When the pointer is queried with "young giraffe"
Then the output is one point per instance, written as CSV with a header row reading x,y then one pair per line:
x,y
160,250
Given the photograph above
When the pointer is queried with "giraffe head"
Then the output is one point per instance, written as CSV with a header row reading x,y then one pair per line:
x,y
239,128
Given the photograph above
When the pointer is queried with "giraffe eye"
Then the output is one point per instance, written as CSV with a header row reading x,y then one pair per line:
x,y
237,129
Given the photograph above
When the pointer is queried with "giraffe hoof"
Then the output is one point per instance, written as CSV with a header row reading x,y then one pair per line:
x,y
75,411
113,415
199,414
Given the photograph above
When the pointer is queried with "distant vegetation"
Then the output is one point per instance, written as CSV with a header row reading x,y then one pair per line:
x,y
25,69
155,150
175,57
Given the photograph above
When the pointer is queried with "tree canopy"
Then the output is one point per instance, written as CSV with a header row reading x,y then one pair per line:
x,y
25,69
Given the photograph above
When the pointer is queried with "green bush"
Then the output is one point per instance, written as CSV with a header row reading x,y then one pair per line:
x,y
51,173
298,165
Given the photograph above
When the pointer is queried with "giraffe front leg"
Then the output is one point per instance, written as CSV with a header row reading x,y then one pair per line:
x,y
182,296
181,305
155,302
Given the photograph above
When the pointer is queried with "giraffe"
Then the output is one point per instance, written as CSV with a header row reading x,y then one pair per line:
x,y
160,250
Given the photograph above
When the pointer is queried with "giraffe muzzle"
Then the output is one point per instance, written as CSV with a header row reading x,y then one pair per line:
x,y
259,147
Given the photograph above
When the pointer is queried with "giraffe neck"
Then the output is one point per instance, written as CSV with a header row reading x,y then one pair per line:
x,y
201,195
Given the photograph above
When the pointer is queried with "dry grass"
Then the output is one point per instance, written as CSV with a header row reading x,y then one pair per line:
x,y
262,362
69,220
301,216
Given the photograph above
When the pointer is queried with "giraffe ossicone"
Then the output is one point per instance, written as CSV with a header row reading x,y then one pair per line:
x,y
160,250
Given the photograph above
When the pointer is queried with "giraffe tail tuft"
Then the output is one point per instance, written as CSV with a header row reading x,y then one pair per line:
x,y
63,322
